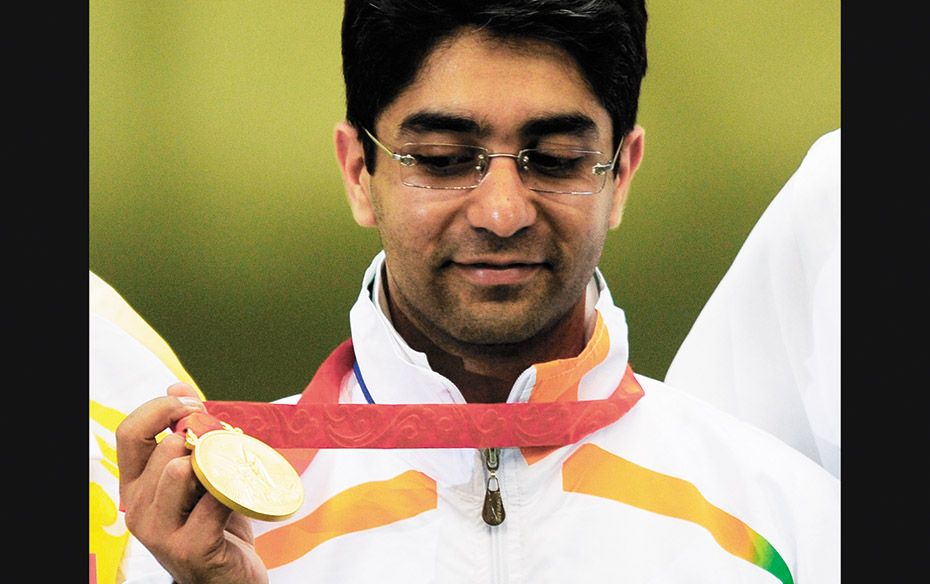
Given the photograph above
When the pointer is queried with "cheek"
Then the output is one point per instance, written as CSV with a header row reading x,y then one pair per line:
x,y
416,228
421,222
580,240
578,226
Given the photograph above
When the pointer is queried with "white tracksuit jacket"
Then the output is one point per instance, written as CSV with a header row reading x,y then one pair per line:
x,y
675,491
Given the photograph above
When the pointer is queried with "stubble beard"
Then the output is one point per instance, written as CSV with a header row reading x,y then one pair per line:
x,y
463,319
498,319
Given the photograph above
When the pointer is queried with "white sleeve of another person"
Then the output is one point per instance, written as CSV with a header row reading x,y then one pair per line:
x,y
765,347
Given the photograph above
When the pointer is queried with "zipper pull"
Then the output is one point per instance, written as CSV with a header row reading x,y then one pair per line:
x,y
493,510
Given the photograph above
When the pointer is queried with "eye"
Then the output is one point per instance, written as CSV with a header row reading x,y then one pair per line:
x,y
556,163
444,160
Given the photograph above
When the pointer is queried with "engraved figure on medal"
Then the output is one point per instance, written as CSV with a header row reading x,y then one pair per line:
x,y
246,474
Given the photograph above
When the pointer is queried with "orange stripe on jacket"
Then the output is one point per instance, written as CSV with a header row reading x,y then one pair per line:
x,y
365,506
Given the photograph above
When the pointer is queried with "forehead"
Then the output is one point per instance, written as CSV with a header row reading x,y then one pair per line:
x,y
498,84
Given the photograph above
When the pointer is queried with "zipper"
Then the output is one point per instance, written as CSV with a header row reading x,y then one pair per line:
x,y
493,510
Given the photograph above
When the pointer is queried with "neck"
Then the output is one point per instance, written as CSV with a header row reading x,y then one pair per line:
x,y
486,373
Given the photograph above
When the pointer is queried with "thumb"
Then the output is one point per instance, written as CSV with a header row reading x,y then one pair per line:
x,y
200,421
184,390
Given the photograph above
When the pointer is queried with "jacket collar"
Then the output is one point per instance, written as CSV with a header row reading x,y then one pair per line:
x,y
396,373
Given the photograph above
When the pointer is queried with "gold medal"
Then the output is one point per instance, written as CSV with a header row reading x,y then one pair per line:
x,y
245,474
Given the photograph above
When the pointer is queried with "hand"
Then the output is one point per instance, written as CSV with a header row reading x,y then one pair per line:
x,y
194,536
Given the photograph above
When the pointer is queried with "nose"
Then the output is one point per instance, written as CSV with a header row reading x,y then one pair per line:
x,y
501,204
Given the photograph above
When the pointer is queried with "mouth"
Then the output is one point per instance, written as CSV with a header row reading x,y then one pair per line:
x,y
496,272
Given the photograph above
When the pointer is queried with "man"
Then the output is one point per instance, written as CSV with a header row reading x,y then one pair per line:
x,y
492,145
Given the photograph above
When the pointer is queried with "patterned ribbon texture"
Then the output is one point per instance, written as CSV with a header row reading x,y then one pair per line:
x,y
318,425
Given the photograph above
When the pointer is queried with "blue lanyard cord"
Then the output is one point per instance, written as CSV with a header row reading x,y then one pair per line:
x,y
361,382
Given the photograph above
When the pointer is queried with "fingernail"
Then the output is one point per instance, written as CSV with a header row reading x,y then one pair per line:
x,y
192,402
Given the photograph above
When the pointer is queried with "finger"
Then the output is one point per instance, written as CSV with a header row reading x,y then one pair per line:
x,y
136,499
208,518
177,493
241,526
135,436
173,447
181,389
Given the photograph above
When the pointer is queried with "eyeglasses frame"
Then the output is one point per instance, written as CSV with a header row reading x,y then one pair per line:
x,y
408,160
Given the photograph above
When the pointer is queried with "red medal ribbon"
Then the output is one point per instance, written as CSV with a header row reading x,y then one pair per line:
x,y
422,425
317,421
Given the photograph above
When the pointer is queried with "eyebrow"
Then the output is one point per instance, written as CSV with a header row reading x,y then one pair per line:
x,y
426,121
577,124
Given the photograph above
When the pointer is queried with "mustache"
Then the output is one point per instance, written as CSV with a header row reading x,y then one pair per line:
x,y
481,243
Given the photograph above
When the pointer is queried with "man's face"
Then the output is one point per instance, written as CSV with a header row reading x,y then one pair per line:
x,y
498,263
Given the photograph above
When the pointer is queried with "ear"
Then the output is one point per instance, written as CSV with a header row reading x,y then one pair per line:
x,y
630,157
351,157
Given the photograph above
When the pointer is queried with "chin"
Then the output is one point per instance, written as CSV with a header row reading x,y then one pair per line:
x,y
504,328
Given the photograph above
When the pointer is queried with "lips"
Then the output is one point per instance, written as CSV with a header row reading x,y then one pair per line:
x,y
496,272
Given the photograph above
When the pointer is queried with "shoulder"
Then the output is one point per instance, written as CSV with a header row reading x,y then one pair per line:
x,y
676,455
676,433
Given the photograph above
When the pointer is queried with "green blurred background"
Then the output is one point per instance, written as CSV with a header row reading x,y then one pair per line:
x,y
218,212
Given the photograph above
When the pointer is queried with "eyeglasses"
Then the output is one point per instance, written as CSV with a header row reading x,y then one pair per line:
x,y
551,169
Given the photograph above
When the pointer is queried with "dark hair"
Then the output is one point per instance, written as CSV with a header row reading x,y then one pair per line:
x,y
384,44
